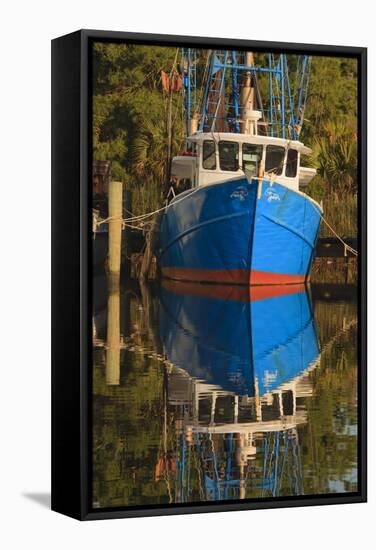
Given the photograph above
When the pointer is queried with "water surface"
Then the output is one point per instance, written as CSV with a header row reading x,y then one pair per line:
x,y
206,392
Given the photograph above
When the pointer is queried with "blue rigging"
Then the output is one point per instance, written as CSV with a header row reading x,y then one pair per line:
x,y
280,99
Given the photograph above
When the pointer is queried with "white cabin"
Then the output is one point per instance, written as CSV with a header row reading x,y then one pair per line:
x,y
216,157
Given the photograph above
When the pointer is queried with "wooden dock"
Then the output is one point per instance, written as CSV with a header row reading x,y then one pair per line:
x,y
331,247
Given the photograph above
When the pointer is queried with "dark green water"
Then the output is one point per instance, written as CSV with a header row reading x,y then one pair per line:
x,y
170,425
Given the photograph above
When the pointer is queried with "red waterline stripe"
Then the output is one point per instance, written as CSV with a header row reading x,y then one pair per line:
x,y
231,276
236,293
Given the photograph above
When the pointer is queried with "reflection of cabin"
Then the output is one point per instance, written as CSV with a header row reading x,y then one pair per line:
x,y
229,431
212,410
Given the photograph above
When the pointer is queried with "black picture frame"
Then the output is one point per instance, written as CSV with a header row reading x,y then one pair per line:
x,y
72,280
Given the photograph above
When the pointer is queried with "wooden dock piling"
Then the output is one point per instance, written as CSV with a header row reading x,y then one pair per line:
x,y
115,212
150,241
113,332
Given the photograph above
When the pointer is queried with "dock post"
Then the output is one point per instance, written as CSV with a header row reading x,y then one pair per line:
x,y
150,238
113,332
115,211
146,258
127,236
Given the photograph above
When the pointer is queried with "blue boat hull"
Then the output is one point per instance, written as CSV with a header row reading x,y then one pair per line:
x,y
239,232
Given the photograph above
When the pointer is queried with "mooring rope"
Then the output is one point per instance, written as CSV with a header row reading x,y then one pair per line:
x,y
346,246
128,222
142,217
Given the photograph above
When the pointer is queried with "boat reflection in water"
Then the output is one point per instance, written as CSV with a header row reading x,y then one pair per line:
x,y
239,362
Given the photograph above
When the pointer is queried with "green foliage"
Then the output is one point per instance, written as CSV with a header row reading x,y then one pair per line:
x,y
330,129
332,96
334,154
130,117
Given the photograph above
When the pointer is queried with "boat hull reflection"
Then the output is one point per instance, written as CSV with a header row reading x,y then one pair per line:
x,y
245,340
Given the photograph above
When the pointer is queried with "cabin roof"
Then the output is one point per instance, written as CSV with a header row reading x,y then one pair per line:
x,y
247,138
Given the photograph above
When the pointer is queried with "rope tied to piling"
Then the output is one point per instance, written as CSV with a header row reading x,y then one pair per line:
x,y
347,247
142,217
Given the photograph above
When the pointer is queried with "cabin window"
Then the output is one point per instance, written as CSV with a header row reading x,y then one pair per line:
x,y
229,155
252,155
274,159
292,163
204,410
208,155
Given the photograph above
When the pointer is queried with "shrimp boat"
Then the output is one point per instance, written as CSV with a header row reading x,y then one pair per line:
x,y
242,217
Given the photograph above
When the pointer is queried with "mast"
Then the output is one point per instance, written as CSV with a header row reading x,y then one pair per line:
x,y
249,116
189,79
